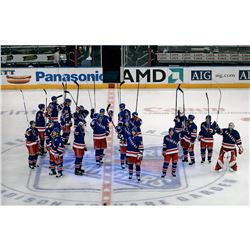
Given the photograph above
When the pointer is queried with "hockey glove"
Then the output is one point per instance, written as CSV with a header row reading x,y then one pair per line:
x,y
240,149
140,156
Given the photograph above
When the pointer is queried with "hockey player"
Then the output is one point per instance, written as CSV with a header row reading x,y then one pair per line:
x,y
53,109
188,136
134,153
80,115
56,153
231,138
206,139
124,113
180,122
124,132
79,147
32,145
48,136
100,132
105,118
135,121
170,151
40,125
105,122
48,133
65,121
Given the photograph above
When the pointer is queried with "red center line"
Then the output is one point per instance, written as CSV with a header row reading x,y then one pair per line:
x,y
107,167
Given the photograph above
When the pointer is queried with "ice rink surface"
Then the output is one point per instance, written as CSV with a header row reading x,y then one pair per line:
x,y
194,185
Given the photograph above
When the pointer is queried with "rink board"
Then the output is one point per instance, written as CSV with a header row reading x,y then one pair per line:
x,y
194,185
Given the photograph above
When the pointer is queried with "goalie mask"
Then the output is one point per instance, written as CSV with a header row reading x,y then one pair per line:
x,y
231,126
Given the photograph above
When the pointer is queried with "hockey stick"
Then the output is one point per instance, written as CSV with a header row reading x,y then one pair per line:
x,y
91,104
118,94
46,103
67,92
64,93
24,104
183,100
218,111
207,103
137,96
59,96
120,100
176,94
77,92
94,96
107,109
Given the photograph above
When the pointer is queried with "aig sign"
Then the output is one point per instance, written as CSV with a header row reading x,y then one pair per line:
x,y
244,74
201,75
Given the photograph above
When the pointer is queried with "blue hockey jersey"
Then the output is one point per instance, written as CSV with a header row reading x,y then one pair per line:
x,y
40,121
66,115
79,138
56,146
135,122
180,125
48,135
123,133
134,146
124,115
80,117
53,110
170,144
105,121
48,132
230,138
99,130
206,133
189,133
31,135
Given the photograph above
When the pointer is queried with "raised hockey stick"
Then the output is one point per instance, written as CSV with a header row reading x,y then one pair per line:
x,y
118,94
90,100
137,96
183,99
94,96
176,95
78,87
25,109
207,103
67,92
46,103
46,97
120,99
218,111
64,93
107,109
59,96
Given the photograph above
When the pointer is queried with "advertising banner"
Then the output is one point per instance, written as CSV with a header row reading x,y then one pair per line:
x,y
188,75
50,75
217,75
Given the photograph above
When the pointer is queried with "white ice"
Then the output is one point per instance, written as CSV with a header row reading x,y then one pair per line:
x,y
197,184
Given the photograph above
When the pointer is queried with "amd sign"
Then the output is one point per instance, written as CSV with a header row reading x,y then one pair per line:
x,y
244,74
201,75
156,75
